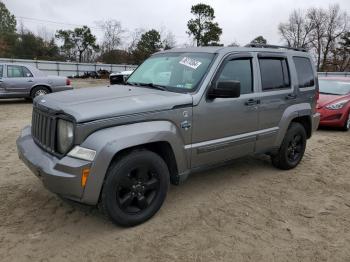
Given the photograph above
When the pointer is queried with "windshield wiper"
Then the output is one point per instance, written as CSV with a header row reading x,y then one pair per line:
x,y
130,84
151,85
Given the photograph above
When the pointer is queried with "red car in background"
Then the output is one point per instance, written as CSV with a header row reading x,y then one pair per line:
x,y
334,102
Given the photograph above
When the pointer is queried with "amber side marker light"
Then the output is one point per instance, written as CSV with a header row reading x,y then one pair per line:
x,y
84,176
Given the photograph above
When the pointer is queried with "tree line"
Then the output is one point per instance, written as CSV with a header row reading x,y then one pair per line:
x,y
323,32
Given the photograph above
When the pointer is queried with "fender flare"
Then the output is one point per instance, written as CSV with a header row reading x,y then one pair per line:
x,y
291,112
110,141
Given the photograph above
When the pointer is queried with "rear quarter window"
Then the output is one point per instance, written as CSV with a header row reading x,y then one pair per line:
x,y
305,72
1,70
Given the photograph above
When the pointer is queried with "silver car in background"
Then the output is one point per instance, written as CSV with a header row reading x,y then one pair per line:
x,y
24,81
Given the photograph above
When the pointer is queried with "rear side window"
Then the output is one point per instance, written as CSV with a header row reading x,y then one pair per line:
x,y
18,71
305,72
239,70
1,74
274,73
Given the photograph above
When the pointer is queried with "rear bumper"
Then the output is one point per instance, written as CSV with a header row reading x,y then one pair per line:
x,y
61,176
61,88
315,121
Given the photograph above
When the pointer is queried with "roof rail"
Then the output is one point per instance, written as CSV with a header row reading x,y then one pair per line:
x,y
276,46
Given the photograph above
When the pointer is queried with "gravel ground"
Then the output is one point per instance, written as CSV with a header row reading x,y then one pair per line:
x,y
246,211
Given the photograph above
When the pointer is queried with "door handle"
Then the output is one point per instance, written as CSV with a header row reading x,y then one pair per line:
x,y
291,96
29,80
252,102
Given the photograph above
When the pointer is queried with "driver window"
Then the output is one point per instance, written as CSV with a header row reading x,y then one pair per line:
x,y
239,70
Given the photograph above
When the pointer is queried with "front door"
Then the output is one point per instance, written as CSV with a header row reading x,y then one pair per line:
x,y
223,128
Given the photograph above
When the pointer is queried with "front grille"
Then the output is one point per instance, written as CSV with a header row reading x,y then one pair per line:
x,y
44,129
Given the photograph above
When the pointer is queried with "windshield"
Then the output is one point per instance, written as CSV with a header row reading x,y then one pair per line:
x,y
334,87
180,72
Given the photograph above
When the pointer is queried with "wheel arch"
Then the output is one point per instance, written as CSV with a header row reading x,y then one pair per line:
x,y
300,113
161,137
40,85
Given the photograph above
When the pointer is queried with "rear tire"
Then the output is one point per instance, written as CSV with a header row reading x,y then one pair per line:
x,y
39,91
135,188
292,149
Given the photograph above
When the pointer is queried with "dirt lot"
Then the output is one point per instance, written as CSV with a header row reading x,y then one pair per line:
x,y
247,211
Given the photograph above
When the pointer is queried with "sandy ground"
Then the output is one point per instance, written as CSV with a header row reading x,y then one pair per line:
x,y
247,211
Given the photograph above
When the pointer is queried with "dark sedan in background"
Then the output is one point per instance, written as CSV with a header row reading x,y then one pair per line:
x,y
334,102
24,81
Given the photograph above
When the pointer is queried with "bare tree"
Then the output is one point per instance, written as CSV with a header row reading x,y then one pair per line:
x,y
234,44
113,33
318,19
45,34
336,26
318,30
297,30
168,40
134,38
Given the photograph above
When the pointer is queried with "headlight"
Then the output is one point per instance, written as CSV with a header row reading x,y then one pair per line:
x,y
337,105
64,135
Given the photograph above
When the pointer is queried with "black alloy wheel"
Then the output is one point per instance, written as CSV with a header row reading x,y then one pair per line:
x,y
135,187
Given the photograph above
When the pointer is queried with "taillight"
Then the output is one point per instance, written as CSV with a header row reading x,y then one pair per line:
x,y
317,94
68,82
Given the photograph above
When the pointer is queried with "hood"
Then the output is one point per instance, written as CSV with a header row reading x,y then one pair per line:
x,y
87,104
325,99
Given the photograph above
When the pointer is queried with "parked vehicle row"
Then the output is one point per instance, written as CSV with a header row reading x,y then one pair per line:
x,y
182,110
23,81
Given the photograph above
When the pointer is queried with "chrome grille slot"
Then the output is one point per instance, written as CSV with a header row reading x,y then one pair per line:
x,y
43,129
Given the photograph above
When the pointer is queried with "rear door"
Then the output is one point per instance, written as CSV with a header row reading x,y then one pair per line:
x,y
277,93
223,128
18,79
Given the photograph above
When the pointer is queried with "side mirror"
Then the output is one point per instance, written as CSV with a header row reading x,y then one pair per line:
x,y
225,89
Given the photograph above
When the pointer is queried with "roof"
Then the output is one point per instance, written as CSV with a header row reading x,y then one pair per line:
x,y
221,49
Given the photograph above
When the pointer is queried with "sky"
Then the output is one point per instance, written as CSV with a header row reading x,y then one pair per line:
x,y
241,20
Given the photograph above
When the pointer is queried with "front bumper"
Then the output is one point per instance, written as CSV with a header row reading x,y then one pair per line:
x,y
332,118
61,176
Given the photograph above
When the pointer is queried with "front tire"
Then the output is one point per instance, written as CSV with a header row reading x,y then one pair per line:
x,y
292,149
346,126
135,188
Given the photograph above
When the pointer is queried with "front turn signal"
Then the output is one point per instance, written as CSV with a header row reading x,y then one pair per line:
x,y
84,176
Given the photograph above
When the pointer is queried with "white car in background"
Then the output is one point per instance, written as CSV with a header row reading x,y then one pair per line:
x,y
119,77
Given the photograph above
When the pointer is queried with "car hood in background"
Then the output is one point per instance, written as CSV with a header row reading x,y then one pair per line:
x,y
87,104
325,99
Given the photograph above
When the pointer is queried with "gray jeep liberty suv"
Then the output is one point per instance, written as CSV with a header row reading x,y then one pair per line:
x,y
180,111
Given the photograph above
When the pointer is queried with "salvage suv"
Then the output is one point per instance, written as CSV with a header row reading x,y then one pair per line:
x,y
180,111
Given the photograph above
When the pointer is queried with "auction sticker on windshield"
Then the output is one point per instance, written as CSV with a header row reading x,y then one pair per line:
x,y
190,62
